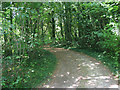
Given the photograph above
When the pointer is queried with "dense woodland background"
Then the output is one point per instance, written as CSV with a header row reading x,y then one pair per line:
x,y
26,27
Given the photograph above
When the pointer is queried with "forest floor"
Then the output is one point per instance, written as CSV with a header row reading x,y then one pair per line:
x,y
78,70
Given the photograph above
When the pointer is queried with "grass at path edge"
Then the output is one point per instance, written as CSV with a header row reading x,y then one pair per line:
x,y
31,72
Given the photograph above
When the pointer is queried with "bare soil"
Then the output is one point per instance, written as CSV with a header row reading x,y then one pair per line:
x,y
78,70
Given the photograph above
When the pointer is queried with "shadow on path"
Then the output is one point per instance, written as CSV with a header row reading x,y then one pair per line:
x,y
78,70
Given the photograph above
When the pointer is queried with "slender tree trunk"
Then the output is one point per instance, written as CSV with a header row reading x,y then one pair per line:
x,y
11,24
64,19
53,26
75,34
27,31
70,21
67,23
79,24
31,27
61,26
34,30
42,31
38,33
5,36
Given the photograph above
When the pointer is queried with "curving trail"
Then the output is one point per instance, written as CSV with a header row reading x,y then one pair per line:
x,y
78,70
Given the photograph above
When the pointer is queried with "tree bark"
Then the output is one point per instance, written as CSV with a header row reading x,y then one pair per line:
x,y
53,26
67,23
42,31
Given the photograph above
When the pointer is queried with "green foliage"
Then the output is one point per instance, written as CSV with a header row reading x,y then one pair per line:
x,y
28,26
27,71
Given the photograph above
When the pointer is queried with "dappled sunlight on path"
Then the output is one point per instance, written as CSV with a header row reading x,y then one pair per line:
x,y
77,70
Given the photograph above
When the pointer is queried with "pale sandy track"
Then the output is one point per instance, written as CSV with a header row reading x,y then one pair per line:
x,y
78,70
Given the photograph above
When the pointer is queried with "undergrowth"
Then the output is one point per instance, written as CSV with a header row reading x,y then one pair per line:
x,y
29,70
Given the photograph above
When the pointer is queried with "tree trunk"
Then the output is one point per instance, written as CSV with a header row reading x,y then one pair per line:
x,y
34,31
79,24
53,26
11,22
61,26
27,32
5,36
67,23
42,32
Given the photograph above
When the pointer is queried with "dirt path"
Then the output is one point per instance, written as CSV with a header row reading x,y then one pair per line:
x,y
77,70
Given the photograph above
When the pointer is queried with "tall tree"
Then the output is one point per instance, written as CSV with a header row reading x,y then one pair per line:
x,y
53,25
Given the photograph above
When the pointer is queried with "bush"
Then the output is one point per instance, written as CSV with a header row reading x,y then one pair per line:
x,y
28,70
104,41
